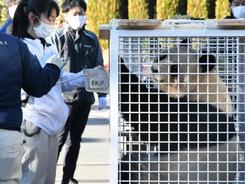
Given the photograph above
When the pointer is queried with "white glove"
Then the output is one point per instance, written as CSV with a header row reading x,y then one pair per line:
x,y
57,60
102,102
97,80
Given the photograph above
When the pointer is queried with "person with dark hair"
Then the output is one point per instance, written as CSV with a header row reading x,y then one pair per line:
x,y
237,9
7,26
19,69
43,117
82,49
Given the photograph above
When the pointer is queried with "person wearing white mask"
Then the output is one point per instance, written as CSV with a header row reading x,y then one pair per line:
x,y
237,9
43,117
7,26
82,48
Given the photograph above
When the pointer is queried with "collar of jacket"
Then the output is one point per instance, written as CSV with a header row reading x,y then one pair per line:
x,y
76,33
43,41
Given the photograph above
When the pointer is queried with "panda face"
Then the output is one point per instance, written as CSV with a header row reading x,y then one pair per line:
x,y
177,71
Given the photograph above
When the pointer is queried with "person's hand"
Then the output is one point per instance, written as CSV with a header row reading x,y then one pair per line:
x,y
57,60
102,102
97,80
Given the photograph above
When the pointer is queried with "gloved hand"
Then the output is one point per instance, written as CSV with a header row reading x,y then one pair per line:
x,y
102,102
97,80
57,60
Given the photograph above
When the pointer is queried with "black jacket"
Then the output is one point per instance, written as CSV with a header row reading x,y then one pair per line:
x,y
19,69
82,50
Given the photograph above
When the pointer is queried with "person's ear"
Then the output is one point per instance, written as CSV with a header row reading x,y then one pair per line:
x,y
32,19
83,12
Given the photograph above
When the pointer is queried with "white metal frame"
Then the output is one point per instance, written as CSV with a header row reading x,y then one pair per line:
x,y
115,34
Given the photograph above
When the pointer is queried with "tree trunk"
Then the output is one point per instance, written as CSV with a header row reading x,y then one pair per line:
x,y
182,7
123,9
152,9
211,9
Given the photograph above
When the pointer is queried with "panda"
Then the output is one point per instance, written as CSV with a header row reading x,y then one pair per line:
x,y
193,85
167,122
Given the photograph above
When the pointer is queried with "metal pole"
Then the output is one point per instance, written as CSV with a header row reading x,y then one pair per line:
x,y
241,107
114,40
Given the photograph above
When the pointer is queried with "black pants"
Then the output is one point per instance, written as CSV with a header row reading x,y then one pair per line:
x,y
74,127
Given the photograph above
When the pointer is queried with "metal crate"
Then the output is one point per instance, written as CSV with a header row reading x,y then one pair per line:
x,y
158,138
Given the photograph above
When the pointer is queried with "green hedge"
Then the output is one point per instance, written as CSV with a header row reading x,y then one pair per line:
x,y
222,9
3,12
197,8
101,12
138,9
166,8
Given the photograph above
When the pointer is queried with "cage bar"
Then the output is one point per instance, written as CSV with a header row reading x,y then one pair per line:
x,y
177,103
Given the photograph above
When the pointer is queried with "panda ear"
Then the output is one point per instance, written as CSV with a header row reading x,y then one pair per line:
x,y
122,61
185,42
207,62
124,69
162,57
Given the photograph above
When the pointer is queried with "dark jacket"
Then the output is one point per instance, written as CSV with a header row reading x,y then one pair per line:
x,y
19,69
82,50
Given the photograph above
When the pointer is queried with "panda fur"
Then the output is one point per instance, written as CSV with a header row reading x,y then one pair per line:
x,y
150,126
193,85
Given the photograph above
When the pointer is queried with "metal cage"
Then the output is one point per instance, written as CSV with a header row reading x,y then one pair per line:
x,y
177,104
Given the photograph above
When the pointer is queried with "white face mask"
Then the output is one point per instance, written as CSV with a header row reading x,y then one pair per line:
x,y
238,12
44,30
76,22
11,11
